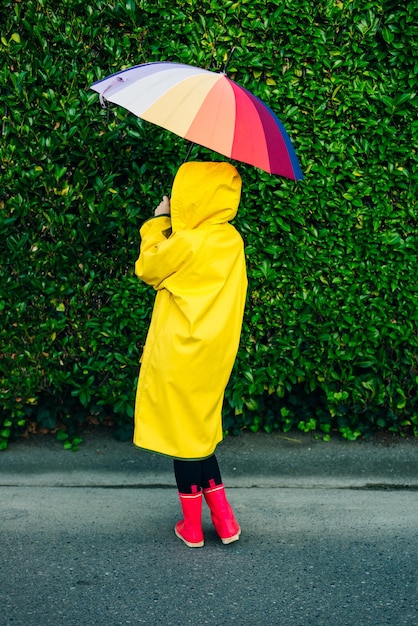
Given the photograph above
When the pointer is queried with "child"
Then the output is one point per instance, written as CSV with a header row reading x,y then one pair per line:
x,y
195,261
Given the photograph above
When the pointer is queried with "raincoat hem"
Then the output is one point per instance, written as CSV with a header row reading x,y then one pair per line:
x,y
177,458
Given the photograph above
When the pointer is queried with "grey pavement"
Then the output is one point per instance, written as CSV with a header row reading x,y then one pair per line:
x,y
329,535
296,460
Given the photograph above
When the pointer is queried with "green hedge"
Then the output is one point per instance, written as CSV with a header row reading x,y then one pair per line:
x,y
330,334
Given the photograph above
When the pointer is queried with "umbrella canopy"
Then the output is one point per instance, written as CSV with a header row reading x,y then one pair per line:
x,y
207,108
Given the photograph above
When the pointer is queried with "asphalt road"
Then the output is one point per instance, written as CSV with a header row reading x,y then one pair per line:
x,y
77,551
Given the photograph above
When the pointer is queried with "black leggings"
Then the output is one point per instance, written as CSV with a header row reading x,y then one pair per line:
x,y
192,476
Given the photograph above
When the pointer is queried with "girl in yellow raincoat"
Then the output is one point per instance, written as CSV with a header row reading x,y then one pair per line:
x,y
194,259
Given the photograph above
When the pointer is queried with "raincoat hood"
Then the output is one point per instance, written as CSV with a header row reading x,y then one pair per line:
x,y
204,193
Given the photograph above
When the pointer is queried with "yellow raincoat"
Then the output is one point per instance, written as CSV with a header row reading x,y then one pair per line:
x,y
195,261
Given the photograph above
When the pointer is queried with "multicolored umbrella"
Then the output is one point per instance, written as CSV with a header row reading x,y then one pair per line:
x,y
207,108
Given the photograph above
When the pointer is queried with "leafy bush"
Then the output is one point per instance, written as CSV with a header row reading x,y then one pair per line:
x,y
330,334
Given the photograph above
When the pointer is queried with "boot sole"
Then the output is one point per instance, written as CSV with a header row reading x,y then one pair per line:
x,y
189,544
228,540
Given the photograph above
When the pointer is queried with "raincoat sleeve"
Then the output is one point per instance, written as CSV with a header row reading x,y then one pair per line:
x,y
161,257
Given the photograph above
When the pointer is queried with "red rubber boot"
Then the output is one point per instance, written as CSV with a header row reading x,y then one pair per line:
x,y
222,514
189,529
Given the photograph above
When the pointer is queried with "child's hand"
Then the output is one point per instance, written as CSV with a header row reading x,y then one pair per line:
x,y
164,207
